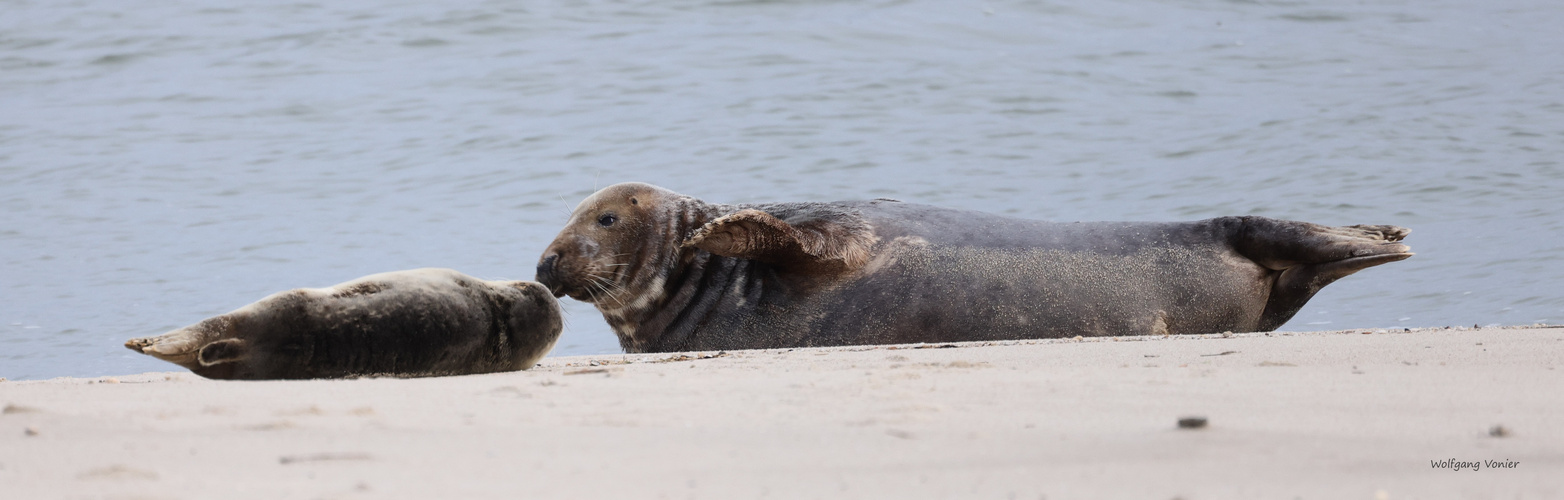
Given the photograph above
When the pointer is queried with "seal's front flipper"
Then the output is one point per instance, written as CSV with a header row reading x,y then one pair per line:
x,y
815,245
1310,256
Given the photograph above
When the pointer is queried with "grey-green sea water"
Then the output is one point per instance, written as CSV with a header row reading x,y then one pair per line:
x,y
166,161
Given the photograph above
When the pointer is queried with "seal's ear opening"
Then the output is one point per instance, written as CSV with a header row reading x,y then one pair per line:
x,y
222,351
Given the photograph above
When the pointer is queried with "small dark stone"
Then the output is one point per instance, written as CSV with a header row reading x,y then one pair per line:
x,y
1499,431
1192,423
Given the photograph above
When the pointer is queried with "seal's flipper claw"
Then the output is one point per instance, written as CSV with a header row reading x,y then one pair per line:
x,y
1381,231
817,245
137,344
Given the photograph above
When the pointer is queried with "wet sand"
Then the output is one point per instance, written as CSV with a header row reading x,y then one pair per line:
x,y
1352,414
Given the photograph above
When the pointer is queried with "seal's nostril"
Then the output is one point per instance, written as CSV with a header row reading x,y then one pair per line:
x,y
546,268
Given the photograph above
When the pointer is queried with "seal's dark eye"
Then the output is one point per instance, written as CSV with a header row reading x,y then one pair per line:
x,y
606,220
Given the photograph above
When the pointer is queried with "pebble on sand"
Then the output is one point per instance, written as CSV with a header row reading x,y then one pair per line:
x,y
1192,422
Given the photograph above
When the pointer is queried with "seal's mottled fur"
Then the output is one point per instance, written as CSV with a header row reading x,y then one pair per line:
x,y
672,273
417,323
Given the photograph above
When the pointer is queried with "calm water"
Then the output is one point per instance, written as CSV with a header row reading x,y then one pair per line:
x,y
162,162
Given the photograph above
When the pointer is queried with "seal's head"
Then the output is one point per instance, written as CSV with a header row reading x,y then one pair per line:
x,y
619,245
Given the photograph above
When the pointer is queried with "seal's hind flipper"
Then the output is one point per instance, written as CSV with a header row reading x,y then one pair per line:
x,y
1310,256
1284,244
183,346
179,347
815,245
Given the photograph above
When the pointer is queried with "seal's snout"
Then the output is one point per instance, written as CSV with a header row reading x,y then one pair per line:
x,y
546,265
548,274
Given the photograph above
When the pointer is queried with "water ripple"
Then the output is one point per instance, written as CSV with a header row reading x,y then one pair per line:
x,y
166,161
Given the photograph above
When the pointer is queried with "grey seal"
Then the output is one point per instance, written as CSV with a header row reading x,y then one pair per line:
x,y
670,272
417,323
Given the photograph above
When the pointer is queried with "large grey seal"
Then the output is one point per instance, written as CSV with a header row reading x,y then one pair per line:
x,y
418,323
670,272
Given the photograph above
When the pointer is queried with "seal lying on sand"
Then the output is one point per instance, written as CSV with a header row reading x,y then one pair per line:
x,y
418,323
672,273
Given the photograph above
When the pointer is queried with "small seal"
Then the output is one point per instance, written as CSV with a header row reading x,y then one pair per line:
x,y
418,323
673,273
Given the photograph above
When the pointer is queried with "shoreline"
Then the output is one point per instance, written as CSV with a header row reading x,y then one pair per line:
x,y
1364,413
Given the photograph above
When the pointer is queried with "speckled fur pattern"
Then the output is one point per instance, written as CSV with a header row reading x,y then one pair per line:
x,y
672,273
417,323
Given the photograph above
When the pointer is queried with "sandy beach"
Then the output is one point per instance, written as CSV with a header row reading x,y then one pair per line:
x,y
1350,414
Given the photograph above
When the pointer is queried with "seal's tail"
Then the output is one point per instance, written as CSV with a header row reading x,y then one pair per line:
x,y
1309,256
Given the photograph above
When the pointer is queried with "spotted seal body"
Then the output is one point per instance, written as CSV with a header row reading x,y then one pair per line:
x,y
423,322
672,273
